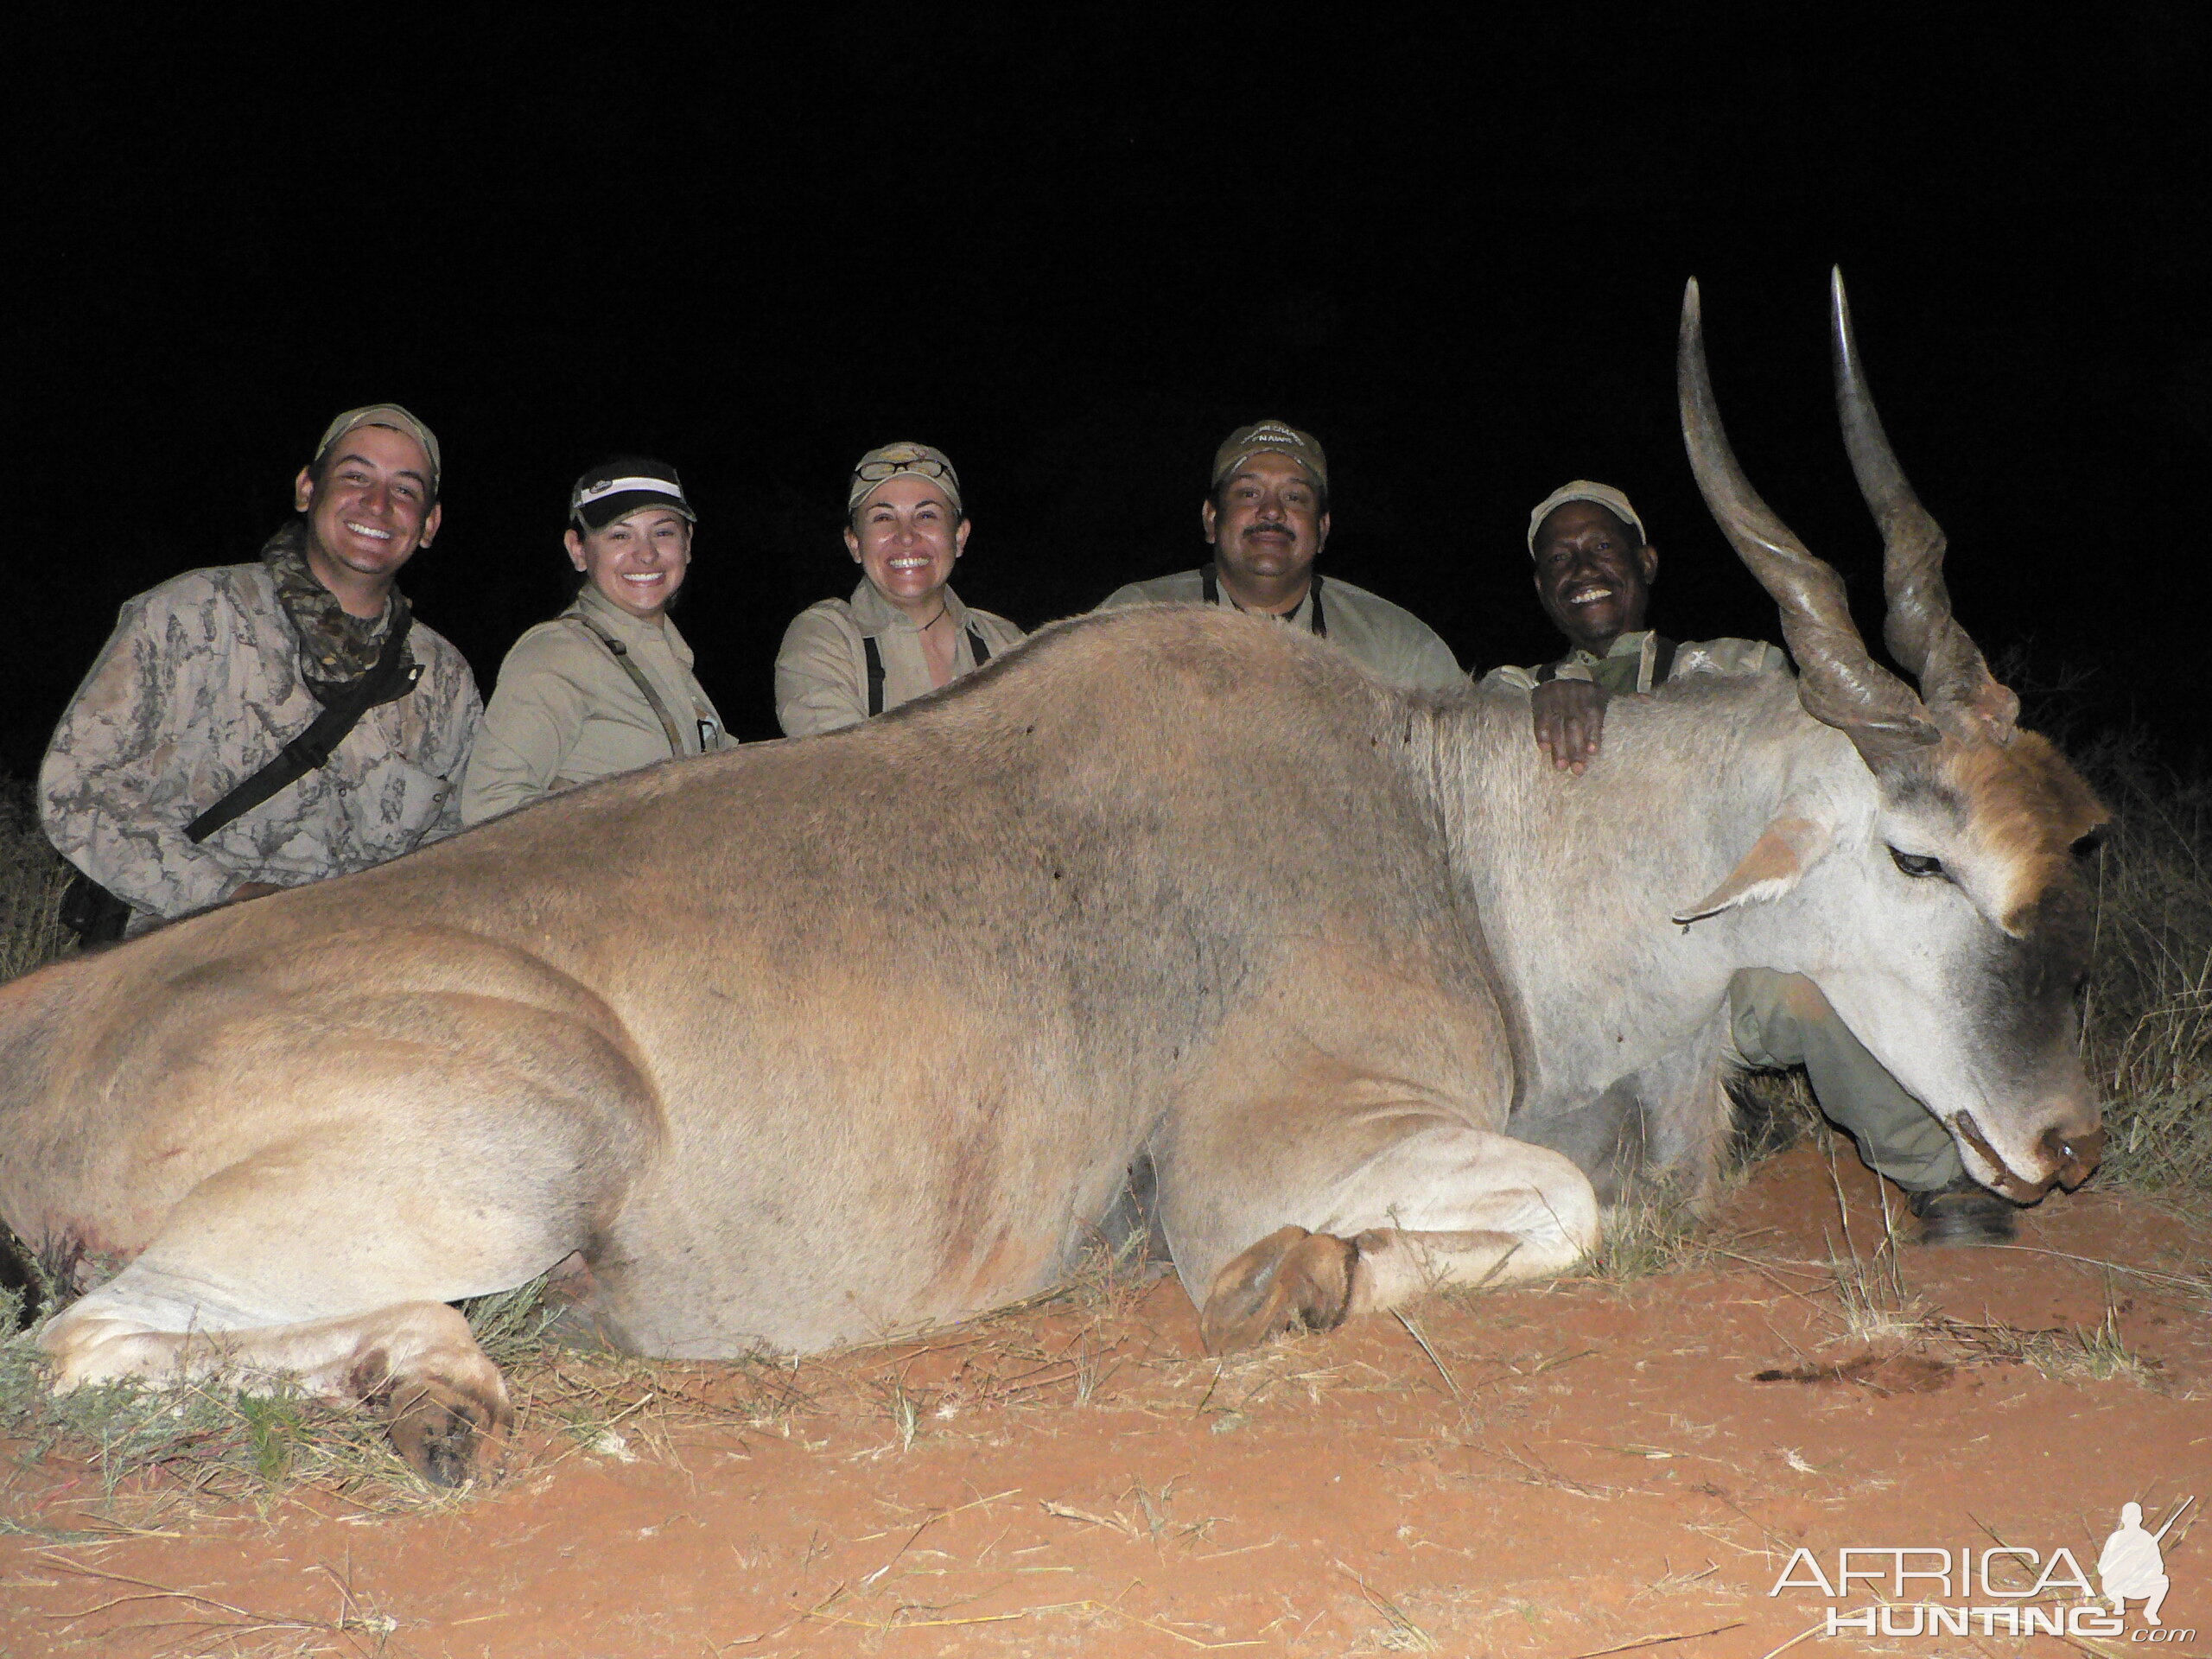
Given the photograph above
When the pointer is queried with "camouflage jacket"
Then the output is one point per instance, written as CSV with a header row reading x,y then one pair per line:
x,y
198,688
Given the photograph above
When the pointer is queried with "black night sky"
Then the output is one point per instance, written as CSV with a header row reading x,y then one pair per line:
x,y
1073,246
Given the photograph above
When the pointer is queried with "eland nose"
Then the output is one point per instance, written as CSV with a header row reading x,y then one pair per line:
x,y
2073,1156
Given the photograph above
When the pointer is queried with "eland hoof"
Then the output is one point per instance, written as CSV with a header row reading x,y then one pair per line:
x,y
1292,1280
450,1435
1964,1212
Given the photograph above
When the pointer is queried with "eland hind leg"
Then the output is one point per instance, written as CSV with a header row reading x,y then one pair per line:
x,y
329,1258
444,1400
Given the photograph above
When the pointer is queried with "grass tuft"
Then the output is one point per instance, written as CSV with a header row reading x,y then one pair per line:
x,y
1645,1237
32,876
513,1326
2094,1353
2148,1021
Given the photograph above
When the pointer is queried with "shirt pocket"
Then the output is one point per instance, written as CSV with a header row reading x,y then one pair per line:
x,y
395,805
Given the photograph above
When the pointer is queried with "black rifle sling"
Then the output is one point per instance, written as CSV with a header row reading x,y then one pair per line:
x,y
668,728
874,653
391,677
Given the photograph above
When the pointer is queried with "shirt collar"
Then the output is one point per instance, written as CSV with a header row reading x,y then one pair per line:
x,y
1301,616
630,630
1626,644
876,615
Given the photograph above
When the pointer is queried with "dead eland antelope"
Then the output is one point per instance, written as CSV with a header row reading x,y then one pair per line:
x,y
820,1040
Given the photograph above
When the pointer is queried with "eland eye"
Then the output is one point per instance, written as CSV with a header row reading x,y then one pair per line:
x,y
1917,864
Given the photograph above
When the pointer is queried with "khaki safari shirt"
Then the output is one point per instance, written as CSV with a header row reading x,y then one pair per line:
x,y
196,690
1388,641
1632,660
565,712
822,669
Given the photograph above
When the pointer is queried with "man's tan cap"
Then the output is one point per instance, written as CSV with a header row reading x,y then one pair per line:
x,y
889,460
1262,437
1603,495
390,415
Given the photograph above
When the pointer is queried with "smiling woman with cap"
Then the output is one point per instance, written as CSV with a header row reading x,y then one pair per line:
x,y
607,686
904,632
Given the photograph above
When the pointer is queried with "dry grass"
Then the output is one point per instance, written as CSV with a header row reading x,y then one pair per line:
x,y
188,1621
2149,1018
181,1451
1644,1239
178,1451
2094,1353
32,876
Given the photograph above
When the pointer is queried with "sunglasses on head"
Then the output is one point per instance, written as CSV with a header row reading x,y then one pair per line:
x,y
874,472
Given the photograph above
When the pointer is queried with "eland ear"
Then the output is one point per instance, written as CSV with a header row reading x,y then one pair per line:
x,y
1776,862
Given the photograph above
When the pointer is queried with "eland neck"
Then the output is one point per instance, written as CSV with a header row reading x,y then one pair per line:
x,y
1577,879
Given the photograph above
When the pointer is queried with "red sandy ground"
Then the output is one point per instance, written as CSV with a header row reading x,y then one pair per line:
x,y
1590,1468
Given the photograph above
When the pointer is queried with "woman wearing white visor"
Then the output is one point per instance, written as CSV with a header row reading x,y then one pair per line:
x,y
607,686
904,632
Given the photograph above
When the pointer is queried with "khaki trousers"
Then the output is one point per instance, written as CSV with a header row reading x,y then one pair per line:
x,y
1778,1021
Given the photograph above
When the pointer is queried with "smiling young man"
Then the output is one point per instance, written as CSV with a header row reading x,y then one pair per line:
x,y
1593,567
607,686
150,786
1266,517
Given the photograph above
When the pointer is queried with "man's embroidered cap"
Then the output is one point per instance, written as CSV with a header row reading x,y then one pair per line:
x,y
1262,437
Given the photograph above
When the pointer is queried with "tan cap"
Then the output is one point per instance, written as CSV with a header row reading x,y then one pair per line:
x,y
887,461
1603,495
390,415
1261,437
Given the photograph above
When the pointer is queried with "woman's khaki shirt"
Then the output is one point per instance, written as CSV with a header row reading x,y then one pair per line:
x,y
565,712
822,669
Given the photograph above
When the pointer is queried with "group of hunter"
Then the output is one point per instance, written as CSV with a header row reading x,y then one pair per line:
x,y
259,725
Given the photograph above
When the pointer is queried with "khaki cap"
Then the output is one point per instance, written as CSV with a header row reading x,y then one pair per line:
x,y
889,460
1262,437
390,415
1603,495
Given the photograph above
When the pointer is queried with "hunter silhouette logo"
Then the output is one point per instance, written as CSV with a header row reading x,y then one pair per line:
x,y
2006,1590
2131,1568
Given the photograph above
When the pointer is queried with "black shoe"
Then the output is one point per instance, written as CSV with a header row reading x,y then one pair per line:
x,y
1964,1212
